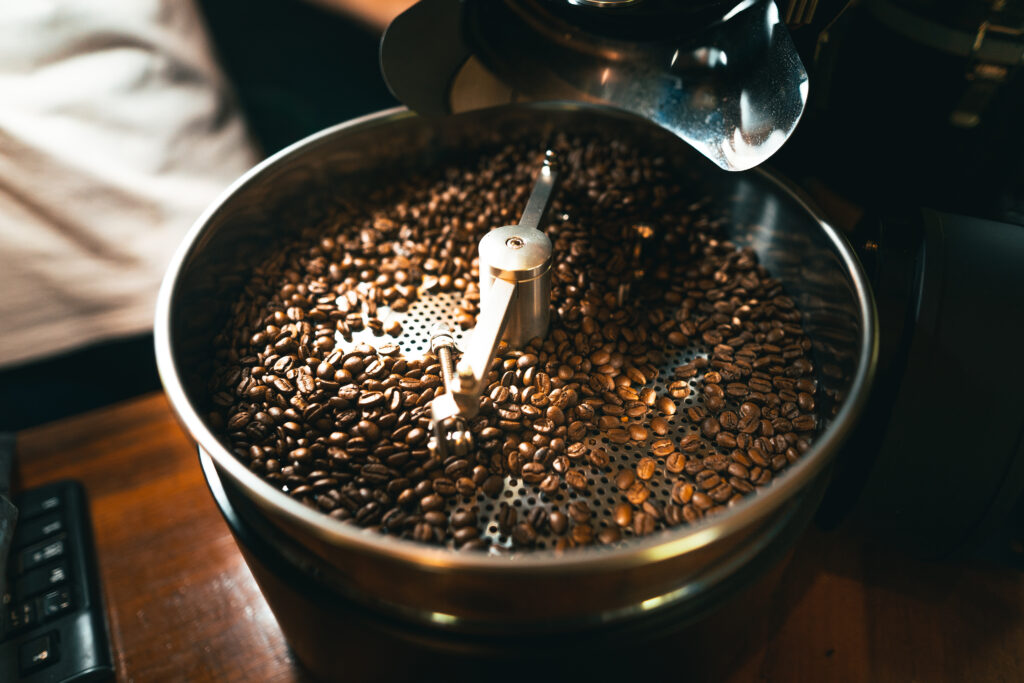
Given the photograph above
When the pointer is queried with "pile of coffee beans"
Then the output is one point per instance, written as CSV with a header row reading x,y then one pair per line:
x,y
591,435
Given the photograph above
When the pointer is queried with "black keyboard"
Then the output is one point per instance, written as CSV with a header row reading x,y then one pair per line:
x,y
53,626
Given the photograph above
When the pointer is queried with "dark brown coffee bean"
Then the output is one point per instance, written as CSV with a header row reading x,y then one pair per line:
x,y
646,468
533,472
370,399
702,501
624,479
524,534
659,426
576,479
662,447
637,493
550,484
678,389
643,524
689,443
623,514
527,360
666,405
710,427
598,458
582,534
579,511
493,485
682,492
576,451
805,423
432,502
558,522
637,433
618,436
576,431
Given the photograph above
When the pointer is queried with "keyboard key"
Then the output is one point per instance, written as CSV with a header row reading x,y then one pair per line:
x,y
54,603
37,653
39,580
20,616
41,553
38,529
33,506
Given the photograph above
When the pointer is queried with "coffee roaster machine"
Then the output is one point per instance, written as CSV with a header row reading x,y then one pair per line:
x,y
898,116
909,111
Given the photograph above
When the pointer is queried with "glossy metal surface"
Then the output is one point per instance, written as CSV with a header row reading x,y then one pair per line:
x,y
734,89
468,590
521,254
515,306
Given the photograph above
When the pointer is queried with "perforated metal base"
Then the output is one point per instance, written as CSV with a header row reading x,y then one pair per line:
x,y
602,496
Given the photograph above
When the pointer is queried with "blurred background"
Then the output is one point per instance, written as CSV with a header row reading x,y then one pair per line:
x,y
121,121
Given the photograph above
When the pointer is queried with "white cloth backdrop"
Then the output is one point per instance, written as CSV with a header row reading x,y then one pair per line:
x,y
116,130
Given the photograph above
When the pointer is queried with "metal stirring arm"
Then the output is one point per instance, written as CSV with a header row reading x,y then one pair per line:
x,y
515,295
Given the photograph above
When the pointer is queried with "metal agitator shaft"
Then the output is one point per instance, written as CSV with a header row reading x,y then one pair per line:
x,y
515,293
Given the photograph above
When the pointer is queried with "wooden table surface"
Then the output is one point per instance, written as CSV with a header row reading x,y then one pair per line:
x,y
184,607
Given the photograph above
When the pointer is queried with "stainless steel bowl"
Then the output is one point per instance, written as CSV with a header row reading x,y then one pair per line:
x,y
538,589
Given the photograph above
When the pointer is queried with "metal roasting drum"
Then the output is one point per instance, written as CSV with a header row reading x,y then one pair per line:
x,y
539,588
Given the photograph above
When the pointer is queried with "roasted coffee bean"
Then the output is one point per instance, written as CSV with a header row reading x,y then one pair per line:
x,y
710,427
675,462
579,511
666,405
550,484
467,535
608,422
623,514
370,399
618,436
662,447
637,493
432,502
659,426
493,485
444,487
461,518
624,480
702,501
678,389
598,458
643,524
558,522
576,479
533,472
805,423
682,492
582,534
524,534
725,440
576,451
646,468
507,516
690,443
576,430
538,519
